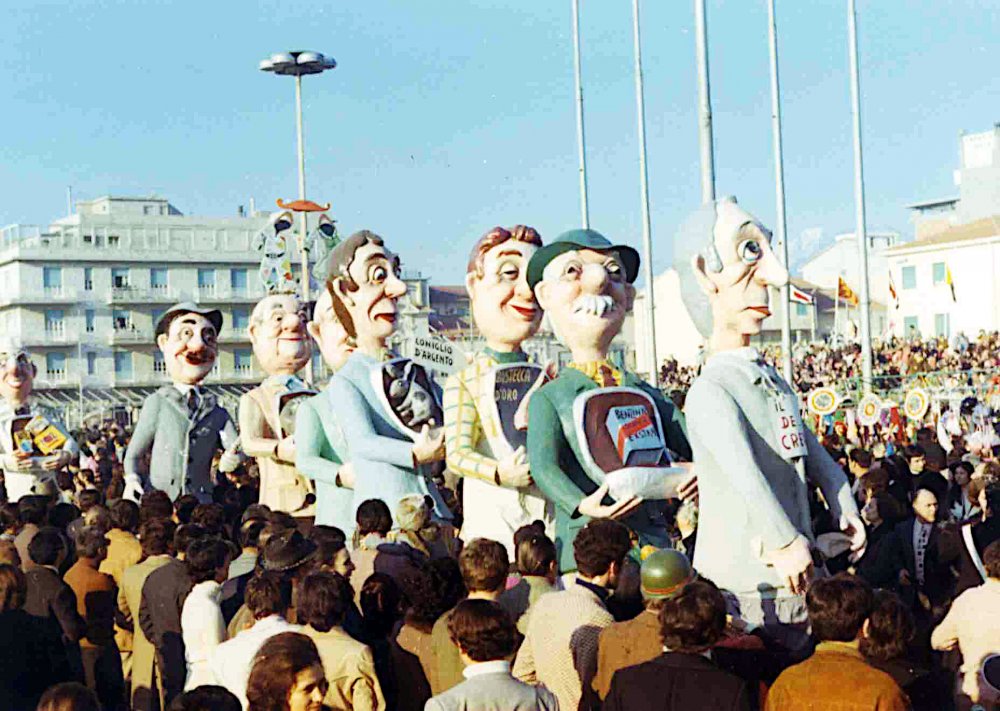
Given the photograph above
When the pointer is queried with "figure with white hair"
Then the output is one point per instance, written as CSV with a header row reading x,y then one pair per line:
x,y
596,418
754,458
35,444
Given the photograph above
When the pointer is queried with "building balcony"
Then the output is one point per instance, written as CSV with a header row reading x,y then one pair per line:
x,y
57,379
130,336
137,295
234,335
237,375
40,297
226,295
51,336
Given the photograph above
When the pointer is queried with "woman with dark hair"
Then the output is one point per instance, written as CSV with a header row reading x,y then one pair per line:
x,y
70,696
381,608
885,642
535,559
287,675
960,505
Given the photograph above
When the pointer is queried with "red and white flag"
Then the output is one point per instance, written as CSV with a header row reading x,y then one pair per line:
x,y
797,296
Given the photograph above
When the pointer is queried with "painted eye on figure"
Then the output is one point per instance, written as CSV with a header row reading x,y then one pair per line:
x,y
614,270
378,275
573,270
509,272
750,251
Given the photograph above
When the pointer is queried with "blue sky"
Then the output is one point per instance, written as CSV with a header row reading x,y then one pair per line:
x,y
447,117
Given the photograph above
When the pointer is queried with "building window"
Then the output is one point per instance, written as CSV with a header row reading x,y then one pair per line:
x,y
91,363
113,240
88,238
148,209
158,278
88,320
942,325
123,364
206,278
909,277
911,327
52,279
238,280
157,313
88,278
801,309
119,278
54,321
55,366
242,361
122,320
241,319
159,364
938,271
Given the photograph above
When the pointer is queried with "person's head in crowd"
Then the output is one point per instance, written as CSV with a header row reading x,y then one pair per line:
x,y
186,534
250,534
9,522
961,474
876,481
156,536
68,696
838,607
413,513
282,520
373,518
287,675
881,508
991,560
8,553
32,510
289,553
925,506
987,496
860,461
693,620
535,553
155,504
211,517
61,515
484,566
915,457
890,628
380,601
207,559
88,499
98,517
206,698
600,549
256,511
482,631
184,506
13,587
449,582
323,601
424,598
124,515
663,575
48,547
331,550
268,594
91,544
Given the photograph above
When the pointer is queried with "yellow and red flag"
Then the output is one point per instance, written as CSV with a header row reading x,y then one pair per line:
x,y
845,292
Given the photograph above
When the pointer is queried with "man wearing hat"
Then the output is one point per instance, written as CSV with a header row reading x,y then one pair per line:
x,y
26,471
181,426
584,284
663,575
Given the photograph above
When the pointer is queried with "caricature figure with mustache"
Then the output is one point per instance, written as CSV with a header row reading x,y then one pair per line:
x,y
584,284
755,459
181,426
282,347
25,472
497,493
388,464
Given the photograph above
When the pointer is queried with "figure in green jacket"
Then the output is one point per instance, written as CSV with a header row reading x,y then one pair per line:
x,y
584,284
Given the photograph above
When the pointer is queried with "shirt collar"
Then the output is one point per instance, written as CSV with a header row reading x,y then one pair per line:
x,y
602,593
848,648
506,357
185,388
498,666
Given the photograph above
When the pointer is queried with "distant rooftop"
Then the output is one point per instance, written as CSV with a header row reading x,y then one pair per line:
x,y
979,229
932,204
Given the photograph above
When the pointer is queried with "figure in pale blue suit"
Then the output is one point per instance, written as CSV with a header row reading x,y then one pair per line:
x,y
388,462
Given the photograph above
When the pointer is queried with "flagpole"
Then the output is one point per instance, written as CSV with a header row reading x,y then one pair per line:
x,y
815,315
859,200
704,104
647,240
836,309
779,192
580,139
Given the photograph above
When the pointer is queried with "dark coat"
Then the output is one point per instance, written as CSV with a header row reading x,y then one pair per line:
x,y
163,596
983,534
925,689
52,601
32,658
678,682
896,554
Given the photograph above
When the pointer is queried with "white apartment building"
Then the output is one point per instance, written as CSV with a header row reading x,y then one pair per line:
x,y
83,294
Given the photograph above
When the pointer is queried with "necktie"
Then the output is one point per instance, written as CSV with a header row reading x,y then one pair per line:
x,y
922,538
22,411
606,377
193,400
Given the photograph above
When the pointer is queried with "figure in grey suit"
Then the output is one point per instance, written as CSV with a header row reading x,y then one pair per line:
x,y
181,426
754,459
489,686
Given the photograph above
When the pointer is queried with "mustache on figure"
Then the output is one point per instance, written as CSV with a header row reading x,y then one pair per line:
x,y
595,305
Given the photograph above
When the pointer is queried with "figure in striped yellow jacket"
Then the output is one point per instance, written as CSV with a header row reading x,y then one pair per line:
x,y
485,404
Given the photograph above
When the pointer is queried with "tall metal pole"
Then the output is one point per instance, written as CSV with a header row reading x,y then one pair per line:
x,y
647,239
584,209
859,203
704,104
779,193
304,225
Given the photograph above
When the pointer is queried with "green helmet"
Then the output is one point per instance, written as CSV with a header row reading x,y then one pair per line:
x,y
665,573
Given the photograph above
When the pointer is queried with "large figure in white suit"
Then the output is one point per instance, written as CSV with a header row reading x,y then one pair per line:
x,y
754,459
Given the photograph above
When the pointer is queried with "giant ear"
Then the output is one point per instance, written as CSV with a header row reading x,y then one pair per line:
x,y
340,296
339,289
700,271
312,328
161,341
252,331
542,294
469,279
